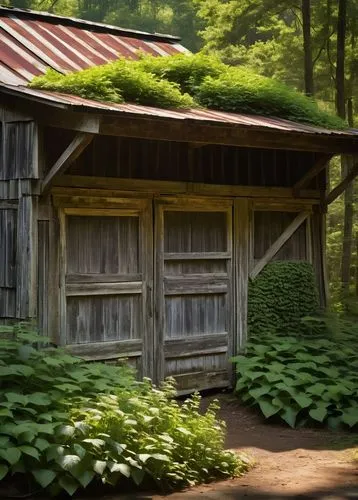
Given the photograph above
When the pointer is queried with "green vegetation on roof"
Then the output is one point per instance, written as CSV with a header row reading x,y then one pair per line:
x,y
184,81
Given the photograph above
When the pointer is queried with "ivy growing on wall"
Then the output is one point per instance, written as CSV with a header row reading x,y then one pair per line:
x,y
280,296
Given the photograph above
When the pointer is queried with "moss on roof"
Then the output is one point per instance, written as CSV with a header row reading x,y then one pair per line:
x,y
185,81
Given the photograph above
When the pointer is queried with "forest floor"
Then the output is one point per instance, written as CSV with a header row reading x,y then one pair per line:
x,y
289,463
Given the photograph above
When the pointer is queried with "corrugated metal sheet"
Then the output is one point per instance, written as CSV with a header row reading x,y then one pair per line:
x,y
31,42
57,99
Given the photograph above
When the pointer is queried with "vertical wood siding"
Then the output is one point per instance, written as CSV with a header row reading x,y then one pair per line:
x,y
8,228
268,226
44,278
193,293
175,161
18,241
18,151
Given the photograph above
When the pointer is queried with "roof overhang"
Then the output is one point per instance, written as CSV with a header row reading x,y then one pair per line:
x,y
198,126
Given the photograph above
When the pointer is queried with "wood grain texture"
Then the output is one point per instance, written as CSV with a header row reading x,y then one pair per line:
x,y
242,232
194,289
268,226
26,260
73,151
106,279
19,158
277,245
160,186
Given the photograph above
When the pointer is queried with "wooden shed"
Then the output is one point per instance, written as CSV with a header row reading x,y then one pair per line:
x,y
130,231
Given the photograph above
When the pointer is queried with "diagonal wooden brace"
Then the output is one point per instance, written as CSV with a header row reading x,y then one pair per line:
x,y
278,244
71,153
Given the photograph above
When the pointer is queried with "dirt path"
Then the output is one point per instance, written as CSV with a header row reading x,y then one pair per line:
x,y
290,463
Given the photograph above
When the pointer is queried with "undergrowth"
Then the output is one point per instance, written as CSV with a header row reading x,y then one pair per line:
x,y
302,380
300,364
184,81
66,424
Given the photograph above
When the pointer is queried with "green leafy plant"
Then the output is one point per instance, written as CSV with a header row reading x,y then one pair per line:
x,y
182,81
281,295
302,380
65,424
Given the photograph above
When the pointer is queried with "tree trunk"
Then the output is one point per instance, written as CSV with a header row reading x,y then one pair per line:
x,y
347,227
307,46
347,164
340,68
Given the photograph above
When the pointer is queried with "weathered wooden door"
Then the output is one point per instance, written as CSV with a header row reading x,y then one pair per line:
x,y
193,292
106,309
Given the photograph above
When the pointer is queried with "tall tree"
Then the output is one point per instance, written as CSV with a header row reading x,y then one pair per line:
x,y
340,67
307,46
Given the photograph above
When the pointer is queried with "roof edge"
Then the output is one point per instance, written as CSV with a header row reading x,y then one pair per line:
x,y
90,25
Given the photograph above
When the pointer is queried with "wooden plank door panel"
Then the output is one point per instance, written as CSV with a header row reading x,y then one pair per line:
x,y
194,288
107,258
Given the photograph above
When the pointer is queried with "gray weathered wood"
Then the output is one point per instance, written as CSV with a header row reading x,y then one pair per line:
x,y
194,309
275,247
241,270
72,152
101,288
26,261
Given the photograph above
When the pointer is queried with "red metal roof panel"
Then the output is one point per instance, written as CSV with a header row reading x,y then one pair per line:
x,y
31,42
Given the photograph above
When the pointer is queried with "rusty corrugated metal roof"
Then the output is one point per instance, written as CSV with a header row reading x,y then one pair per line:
x,y
31,41
199,115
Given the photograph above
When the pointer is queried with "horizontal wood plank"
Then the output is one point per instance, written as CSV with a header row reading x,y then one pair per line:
x,y
189,287
172,187
199,381
86,289
107,350
99,212
197,255
185,347
102,278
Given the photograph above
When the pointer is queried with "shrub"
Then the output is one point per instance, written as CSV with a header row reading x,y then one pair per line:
x,y
302,380
65,424
280,296
182,81
117,82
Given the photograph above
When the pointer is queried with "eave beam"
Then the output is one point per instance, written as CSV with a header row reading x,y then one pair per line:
x,y
71,153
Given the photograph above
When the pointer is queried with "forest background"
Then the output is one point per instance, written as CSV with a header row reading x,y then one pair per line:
x,y
312,45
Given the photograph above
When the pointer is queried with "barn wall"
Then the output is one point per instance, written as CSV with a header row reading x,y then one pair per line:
x,y
18,171
174,161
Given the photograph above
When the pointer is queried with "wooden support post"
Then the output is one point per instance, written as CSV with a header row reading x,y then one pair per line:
x,y
242,215
320,165
71,153
342,186
278,244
